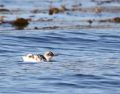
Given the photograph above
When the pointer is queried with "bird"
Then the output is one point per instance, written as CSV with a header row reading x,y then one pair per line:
x,y
38,57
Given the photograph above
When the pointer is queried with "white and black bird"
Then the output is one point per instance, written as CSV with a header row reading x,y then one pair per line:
x,y
38,57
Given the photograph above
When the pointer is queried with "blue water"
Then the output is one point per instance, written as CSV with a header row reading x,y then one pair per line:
x,y
88,62
88,57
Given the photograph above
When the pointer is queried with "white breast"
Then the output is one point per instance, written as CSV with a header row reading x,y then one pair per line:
x,y
30,59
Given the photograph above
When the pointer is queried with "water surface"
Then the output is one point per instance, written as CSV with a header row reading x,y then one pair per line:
x,y
88,60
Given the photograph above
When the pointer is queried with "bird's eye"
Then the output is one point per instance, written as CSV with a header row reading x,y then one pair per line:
x,y
48,54
51,54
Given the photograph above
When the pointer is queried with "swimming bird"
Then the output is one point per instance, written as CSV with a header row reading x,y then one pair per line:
x,y
38,57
